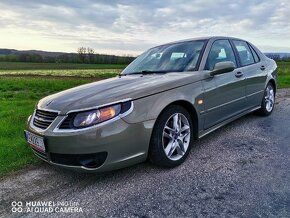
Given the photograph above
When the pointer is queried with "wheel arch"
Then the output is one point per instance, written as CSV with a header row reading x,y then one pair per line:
x,y
190,109
273,83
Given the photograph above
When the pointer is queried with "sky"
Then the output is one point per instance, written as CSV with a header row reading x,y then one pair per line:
x,y
129,27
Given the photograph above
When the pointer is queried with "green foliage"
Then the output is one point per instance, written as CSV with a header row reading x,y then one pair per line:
x,y
85,56
283,74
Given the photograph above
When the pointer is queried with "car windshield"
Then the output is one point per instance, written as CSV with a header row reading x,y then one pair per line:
x,y
176,57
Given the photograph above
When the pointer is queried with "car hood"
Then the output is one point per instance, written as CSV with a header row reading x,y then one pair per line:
x,y
115,89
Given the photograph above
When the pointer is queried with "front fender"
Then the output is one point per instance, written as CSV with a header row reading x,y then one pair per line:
x,y
149,108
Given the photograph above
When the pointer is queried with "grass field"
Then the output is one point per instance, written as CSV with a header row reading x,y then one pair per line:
x,y
18,96
283,74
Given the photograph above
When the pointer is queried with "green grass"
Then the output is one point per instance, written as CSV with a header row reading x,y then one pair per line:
x,y
18,97
283,74
283,63
55,66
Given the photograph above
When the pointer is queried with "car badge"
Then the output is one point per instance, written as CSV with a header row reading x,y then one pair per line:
x,y
49,102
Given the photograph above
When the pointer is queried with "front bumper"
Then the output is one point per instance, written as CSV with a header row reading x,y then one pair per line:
x,y
114,145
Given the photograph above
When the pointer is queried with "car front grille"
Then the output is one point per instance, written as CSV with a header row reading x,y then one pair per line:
x,y
42,119
68,122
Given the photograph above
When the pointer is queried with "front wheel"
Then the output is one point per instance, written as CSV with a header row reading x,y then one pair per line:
x,y
268,101
172,137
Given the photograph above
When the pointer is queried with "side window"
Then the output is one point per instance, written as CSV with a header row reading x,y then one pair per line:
x,y
256,57
245,53
220,51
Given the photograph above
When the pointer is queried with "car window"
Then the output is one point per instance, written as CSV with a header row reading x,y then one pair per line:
x,y
256,57
175,57
244,52
220,51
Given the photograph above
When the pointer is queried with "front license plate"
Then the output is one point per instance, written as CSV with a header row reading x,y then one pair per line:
x,y
35,141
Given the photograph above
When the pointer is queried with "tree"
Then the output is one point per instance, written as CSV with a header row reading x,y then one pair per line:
x,y
275,57
91,55
82,54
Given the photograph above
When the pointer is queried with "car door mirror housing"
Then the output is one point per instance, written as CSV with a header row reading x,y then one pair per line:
x,y
223,67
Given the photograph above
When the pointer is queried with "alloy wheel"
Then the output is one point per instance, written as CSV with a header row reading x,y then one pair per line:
x,y
269,98
176,136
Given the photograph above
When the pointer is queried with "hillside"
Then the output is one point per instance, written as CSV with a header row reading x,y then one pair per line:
x,y
5,51
86,55
280,54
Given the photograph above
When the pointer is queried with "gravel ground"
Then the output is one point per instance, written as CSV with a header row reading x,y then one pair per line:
x,y
240,170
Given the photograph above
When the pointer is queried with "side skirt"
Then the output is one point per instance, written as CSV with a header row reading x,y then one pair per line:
x,y
215,127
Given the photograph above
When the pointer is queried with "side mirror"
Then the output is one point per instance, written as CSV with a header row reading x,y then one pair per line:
x,y
223,67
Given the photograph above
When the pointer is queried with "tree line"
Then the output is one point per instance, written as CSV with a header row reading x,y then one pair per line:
x,y
277,57
83,55
88,55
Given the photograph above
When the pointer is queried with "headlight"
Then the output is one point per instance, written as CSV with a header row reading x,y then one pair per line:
x,y
93,117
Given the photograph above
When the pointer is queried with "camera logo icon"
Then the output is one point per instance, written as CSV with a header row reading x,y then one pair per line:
x,y
16,206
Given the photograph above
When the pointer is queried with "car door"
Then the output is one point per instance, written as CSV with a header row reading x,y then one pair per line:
x,y
224,94
254,72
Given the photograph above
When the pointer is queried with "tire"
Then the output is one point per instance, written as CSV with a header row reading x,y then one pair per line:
x,y
268,101
172,137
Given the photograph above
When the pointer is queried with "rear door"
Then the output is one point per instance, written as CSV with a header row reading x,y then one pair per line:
x,y
224,95
254,72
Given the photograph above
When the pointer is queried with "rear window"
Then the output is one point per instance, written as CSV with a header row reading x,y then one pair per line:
x,y
256,57
244,52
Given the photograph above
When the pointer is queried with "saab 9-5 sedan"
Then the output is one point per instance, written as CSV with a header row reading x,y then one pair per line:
x,y
168,97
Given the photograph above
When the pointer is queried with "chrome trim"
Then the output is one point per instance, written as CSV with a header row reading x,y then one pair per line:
x,y
48,110
225,104
57,129
128,158
63,165
75,167
44,120
128,111
255,93
33,116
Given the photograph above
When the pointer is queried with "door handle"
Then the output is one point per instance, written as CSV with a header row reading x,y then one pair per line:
x,y
262,67
239,74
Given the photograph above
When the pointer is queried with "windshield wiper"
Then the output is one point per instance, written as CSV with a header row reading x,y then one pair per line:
x,y
143,72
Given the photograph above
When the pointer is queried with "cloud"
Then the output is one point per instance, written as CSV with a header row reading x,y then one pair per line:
x,y
127,26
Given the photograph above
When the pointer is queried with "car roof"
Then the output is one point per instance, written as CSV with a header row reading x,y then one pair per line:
x,y
202,38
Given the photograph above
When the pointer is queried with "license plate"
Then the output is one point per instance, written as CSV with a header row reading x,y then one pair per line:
x,y
35,141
